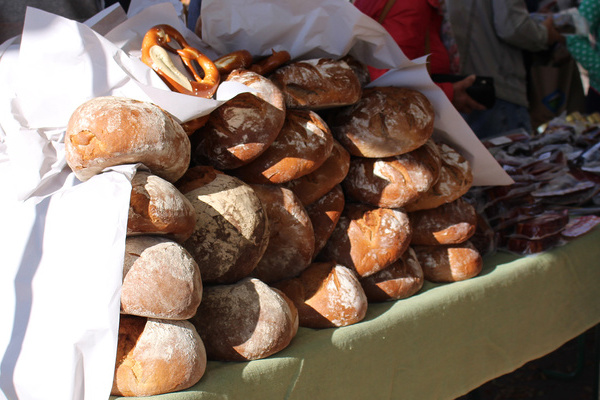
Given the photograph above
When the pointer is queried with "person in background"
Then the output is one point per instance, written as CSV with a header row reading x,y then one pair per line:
x,y
416,25
491,36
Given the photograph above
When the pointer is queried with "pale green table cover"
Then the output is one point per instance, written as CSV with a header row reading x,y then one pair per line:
x,y
439,344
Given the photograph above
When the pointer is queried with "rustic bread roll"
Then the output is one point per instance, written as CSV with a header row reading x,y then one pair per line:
x,y
291,236
385,122
157,356
317,84
450,223
367,239
311,187
449,263
393,182
157,207
232,230
326,295
109,131
400,280
160,279
302,146
456,178
247,320
324,215
243,127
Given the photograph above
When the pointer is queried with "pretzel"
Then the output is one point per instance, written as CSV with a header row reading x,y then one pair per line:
x,y
155,48
237,59
271,63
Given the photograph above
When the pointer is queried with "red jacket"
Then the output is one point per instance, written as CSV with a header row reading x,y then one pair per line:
x,y
415,25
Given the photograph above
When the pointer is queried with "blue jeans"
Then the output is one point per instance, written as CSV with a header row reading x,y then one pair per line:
x,y
499,119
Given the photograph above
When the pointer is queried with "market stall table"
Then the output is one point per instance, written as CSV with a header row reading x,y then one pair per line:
x,y
439,344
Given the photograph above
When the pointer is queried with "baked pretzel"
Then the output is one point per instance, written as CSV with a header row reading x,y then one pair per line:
x,y
155,48
234,60
270,63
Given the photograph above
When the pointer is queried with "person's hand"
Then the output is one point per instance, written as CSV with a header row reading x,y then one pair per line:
x,y
461,100
554,35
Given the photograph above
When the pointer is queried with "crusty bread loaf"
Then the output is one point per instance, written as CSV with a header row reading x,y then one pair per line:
x,y
156,206
317,84
311,187
456,178
326,295
243,127
160,279
246,320
367,239
109,131
302,146
393,182
324,215
400,280
157,356
386,121
450,223
360,69
232,230
449,263
291,236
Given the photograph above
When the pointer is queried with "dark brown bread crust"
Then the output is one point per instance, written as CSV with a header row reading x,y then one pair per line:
x,y
450,223
449,263
325,214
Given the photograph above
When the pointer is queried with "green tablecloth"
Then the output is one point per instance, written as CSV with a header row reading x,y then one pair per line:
x,y
439,344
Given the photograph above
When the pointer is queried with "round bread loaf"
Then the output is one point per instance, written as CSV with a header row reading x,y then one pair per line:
x,y
302,146
367,239
231,232
108,131
450,223
317,84
456,178
156,206
449,263
291,236
386,121
326,295
247,320
393,182
360,69
157,356
243,127
311,187
400,280
324,215
160,279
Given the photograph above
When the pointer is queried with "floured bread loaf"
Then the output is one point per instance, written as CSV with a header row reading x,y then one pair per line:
x,y
109,131
367,239
317,84
385,122
160,279
157,207
243,127
450,223
247,320
302,146
449,263
326,295
157,356
324,215
393,182
232,230
400,280
291,239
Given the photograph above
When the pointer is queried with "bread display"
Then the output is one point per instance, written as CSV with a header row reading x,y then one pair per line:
x,y
317,84
231,232
393,182
385,122
243,127
157,356
367,239
326,295
324,215
449,263
291,241
156,206
160,279
108,131
246,320
302,146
